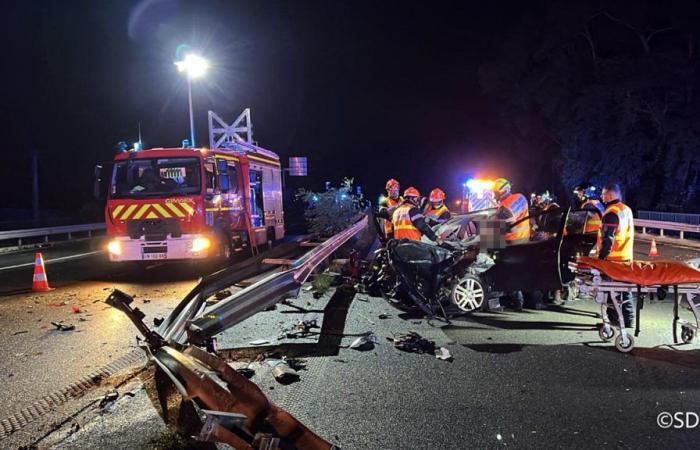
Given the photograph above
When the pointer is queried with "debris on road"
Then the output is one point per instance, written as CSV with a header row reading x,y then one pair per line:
x,y
371,322
443,354
56,305
414,343
75,309
364,343
305,326
19,332
60,326
259,342
282,371
145,300
384,316
300,328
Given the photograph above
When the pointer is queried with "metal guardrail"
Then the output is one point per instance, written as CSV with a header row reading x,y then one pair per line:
x,y
692,219
660,225
51,231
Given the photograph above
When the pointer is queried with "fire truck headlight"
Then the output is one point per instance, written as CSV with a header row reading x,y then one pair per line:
x,y
114,247
200,243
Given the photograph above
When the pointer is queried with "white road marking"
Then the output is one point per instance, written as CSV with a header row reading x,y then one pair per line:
x,y
62,258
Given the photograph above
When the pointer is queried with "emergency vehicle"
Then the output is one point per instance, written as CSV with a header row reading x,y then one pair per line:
x,y
193,203
477,194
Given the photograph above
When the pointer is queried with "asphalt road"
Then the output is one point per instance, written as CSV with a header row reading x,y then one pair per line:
x,y
533,379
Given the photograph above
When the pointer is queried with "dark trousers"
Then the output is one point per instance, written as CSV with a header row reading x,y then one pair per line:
x,y
628,308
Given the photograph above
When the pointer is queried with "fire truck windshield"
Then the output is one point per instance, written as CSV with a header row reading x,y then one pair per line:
x,y
155,177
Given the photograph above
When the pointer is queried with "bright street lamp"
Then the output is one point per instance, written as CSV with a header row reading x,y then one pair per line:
x,y
194,67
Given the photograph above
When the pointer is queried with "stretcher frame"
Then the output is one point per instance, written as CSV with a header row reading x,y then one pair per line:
x,y
592,282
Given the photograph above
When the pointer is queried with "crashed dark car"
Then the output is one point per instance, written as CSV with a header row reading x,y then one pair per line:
x,y
475,264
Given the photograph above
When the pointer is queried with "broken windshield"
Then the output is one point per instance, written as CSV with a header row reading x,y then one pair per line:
x,y
155,177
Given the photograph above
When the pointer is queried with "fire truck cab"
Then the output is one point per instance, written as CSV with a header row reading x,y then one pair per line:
x,y
193,203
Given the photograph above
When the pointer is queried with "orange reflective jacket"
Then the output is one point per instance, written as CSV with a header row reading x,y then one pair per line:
x,y
594,220
435,213
623,244
390,203
518,207
403,223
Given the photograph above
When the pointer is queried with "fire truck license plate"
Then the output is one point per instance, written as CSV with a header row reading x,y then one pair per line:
x,y
155,256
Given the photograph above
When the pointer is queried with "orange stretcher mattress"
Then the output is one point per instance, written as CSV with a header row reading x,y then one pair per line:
x,y
645,273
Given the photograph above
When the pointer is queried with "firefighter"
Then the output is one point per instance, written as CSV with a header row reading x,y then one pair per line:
x,y
513,208
616,242
408,219
543,224
586,197
437,212
388,205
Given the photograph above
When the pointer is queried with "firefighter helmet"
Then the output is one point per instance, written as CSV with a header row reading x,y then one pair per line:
x,y
501,187
437,195
411,192
586,190
392,184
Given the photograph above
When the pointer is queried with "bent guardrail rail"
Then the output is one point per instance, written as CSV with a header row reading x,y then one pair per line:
x,y
266,292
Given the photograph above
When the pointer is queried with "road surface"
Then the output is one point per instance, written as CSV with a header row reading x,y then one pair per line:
x,y
531,379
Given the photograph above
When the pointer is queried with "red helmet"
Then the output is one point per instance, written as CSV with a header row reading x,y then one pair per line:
x,y
436,195
392,184
411,192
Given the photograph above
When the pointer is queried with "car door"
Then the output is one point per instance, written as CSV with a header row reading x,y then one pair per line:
x,y
534,265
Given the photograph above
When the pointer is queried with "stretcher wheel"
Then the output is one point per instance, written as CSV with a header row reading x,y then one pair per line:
x,y
606,336
687,335
624,348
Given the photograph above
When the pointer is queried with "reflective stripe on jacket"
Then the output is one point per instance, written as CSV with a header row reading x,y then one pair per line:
x,y
436,213
594,221
518,207
403,223
390,203
623,244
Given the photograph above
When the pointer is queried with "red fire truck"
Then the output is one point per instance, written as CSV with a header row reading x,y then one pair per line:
x,y
193,203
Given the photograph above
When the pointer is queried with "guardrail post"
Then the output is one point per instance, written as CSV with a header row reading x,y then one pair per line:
x,y
661,230
681,234
46,239
71,237
89,233
644,230
19,242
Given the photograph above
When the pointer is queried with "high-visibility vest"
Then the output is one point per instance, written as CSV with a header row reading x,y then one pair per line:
x,y
594,220
403,225
518,207
435,213
623,244
390,203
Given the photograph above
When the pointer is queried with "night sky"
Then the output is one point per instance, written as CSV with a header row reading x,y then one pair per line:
x,y
366,89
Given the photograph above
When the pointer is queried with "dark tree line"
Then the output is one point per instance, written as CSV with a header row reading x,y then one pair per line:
x,y
610,93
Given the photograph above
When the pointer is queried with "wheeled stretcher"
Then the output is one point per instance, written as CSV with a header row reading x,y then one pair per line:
x,y
605,280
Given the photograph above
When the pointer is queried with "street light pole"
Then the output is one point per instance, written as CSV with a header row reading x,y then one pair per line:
x,y
194,67
189,92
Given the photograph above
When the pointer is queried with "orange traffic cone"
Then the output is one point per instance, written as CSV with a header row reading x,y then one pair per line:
x,y
653,251
40,282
